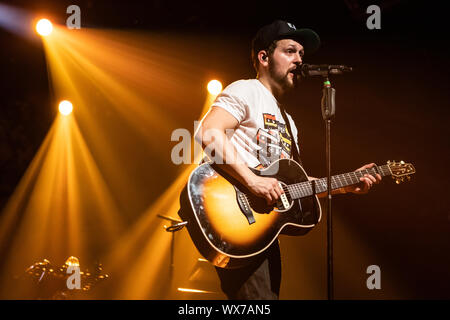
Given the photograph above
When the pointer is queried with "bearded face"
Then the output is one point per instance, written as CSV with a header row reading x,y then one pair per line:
x,y
286,57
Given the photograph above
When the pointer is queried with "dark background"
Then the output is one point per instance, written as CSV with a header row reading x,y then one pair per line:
x,y
394,106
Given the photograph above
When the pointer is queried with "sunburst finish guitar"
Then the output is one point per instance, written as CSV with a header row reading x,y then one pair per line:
x,y
229,225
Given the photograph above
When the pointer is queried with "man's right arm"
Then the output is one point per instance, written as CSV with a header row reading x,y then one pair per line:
x,y
212,135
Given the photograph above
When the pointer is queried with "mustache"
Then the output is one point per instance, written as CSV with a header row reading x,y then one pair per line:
x,y
295,69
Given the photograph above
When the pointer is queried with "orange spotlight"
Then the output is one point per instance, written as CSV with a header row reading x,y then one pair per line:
x,y
44,27
65,107
214,87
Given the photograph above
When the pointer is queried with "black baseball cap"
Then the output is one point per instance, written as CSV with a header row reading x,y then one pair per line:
x,y
280,29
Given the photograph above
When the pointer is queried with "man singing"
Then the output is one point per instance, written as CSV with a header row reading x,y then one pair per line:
x,y
252,109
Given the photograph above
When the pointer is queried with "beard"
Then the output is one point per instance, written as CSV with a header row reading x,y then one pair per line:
x,y
283,79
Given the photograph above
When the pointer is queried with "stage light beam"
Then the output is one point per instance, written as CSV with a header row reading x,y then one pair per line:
x,y
65,107
214,87
44,27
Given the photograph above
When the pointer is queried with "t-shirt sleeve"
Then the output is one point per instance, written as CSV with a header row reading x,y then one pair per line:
x,y
232,100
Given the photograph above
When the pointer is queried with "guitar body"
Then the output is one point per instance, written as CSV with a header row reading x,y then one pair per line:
x,y
230,226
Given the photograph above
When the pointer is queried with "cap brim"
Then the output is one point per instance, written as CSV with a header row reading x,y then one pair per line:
x,y
306,37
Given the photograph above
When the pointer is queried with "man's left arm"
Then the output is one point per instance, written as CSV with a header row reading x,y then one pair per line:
x,y
363,187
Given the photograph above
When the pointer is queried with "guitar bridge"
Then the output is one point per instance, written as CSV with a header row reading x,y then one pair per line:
x,y
245,206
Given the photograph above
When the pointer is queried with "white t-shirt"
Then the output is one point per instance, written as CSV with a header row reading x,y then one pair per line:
x,y
262,136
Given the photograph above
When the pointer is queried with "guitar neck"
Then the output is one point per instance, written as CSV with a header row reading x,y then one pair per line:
x,y
309,188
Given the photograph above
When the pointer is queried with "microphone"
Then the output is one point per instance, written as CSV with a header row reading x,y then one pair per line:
x,y
313,70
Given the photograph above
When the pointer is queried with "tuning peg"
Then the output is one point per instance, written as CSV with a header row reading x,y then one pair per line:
x,y
402,162
397,181
408,177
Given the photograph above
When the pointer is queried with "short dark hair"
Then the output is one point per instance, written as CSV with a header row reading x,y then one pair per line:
x,y
269,50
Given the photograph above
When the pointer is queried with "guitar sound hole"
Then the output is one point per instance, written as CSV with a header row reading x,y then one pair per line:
x,y
258,204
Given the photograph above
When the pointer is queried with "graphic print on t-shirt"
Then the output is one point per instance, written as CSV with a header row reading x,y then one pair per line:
x,y
274,140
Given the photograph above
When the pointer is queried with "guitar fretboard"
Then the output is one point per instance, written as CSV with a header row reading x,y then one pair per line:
x,y
309,188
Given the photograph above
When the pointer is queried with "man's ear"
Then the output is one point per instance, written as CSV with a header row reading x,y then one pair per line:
x,y
263,57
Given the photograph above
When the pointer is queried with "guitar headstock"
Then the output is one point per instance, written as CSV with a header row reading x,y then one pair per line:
x,y
401,170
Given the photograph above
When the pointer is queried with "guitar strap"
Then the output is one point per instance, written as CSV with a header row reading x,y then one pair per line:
x,y
294,151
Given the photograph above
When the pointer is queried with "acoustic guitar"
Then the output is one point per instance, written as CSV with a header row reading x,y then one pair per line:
x,y
230,226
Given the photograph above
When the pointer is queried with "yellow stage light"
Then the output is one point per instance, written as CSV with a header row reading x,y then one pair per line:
x,y
72,261
214,87
65,107
44,27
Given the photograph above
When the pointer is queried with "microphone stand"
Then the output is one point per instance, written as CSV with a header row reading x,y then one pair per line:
x,y
175,225
328,111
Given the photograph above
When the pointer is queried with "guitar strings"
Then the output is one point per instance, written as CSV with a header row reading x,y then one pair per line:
x,y
305,188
